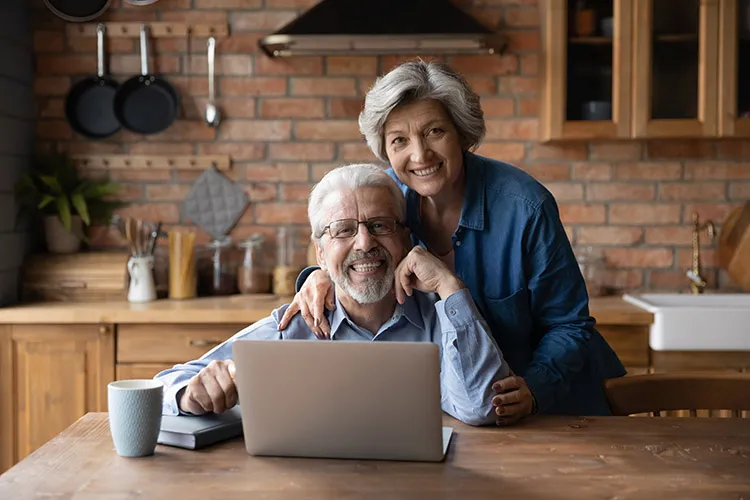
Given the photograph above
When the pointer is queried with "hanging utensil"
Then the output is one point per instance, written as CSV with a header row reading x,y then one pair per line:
x,y
141,3
146,103
89,104
213,115
78,11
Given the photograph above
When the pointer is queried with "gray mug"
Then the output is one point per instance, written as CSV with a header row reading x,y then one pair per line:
x,y
135,408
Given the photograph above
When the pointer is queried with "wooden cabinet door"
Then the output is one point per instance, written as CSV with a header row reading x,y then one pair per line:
x,y
7,401
61,373
734,68
587,70
675,86
128,371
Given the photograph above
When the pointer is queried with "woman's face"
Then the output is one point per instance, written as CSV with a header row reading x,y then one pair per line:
x,y
423,147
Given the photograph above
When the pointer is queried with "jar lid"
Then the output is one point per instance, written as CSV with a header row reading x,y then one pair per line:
x,y
254,240
222,243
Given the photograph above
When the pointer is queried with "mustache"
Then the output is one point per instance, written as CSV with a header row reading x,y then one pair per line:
x,y
375,253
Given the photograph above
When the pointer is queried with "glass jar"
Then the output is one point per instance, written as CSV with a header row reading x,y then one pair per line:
x,y
217,273
594,270
252,277
285,273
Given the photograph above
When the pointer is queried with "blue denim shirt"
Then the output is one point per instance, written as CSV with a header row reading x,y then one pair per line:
x,y
511,251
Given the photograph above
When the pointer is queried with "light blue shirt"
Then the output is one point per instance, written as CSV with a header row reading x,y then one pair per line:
x,y
470,359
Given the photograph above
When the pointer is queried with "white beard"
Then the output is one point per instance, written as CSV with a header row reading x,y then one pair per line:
x,y
370,290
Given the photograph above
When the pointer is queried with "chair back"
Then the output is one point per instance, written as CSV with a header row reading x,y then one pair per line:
x,y
654,393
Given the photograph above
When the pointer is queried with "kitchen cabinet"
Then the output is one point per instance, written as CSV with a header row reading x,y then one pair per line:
x,y
51,375
655,74
675,74
734,68
587,69
144,350
630,342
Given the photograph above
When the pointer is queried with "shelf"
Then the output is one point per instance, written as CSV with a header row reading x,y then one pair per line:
x,y
590,40
155,30
155,162
689,37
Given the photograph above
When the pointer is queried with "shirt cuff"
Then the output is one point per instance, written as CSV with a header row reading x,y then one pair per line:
x,y
459,309
541,387
171,404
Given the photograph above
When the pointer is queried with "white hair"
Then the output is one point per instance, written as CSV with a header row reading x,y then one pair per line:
x,y
420,80
349,178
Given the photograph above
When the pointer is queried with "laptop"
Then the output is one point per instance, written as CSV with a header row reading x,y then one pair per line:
x,y
341,399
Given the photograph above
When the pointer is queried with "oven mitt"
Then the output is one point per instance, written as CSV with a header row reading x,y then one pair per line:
x,y
215,203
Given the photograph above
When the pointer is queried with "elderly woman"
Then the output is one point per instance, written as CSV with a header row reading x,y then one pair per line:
x,y
498,229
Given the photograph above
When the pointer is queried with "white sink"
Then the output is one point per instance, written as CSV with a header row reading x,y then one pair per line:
x,y
706,322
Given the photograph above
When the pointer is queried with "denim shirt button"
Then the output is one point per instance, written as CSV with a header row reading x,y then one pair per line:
x,y
458,243
453,312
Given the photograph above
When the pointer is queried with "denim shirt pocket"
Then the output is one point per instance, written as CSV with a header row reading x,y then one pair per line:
x,y
510,318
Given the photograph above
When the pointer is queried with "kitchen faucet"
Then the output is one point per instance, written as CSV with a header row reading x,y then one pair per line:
x,y
697,283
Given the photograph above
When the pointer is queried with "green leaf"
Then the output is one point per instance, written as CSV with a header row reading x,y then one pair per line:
x,y
46,200
63,210
52,182
79,202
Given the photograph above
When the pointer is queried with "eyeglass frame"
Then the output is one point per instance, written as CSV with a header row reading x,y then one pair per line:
x,y
366,222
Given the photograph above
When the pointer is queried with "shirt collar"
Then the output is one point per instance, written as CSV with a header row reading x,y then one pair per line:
x,y
473,209
409,309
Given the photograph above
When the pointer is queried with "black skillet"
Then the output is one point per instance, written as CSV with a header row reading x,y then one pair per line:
x,y
77,10
146,104
89,106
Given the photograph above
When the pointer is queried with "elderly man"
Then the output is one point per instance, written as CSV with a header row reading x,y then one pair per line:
x,y
385,291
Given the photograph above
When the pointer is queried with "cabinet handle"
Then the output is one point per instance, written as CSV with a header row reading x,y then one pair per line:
x,y
204,343
103,330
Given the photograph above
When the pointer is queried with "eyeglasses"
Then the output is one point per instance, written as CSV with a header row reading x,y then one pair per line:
x,y
348,228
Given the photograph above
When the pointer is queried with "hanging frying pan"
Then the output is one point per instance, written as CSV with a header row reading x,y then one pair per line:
x,y
89,106
78,11
146,104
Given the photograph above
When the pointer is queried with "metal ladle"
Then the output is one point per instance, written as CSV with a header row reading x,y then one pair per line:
x,y
213,115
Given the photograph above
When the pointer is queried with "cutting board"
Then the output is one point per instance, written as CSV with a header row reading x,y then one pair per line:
x,y
734,246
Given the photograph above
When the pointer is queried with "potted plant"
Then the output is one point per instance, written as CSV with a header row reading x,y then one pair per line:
x,y
67,201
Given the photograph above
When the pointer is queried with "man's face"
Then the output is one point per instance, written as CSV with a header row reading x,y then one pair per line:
x,y
362,266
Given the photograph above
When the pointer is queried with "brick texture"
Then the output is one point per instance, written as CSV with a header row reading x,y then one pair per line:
x,y
288,121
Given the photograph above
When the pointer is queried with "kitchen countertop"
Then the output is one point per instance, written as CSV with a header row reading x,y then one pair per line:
x,y
240,309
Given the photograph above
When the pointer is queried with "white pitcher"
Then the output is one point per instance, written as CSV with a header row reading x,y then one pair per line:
x,y
142,287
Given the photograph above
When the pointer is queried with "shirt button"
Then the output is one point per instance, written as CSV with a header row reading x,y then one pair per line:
x,y
458,243
453,312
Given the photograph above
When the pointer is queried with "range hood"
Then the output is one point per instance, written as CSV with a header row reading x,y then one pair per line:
x,y
334,27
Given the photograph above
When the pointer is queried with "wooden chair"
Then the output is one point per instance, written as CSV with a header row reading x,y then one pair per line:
x,y
655,393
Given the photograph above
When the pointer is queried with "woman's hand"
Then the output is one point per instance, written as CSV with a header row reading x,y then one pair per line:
x,y
316,293
514,400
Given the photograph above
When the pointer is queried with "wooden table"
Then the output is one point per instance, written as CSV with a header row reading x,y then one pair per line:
x,y
546,457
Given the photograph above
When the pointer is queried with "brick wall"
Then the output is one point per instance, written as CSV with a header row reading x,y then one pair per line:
x,y
288,121
17,117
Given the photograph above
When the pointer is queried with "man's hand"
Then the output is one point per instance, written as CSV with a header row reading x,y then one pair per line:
x,y
212,390
316,293
514,400
423,271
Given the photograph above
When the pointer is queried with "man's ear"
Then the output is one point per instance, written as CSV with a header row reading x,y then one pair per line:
x,y
319,254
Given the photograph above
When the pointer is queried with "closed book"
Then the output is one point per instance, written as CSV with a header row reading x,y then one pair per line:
x,y
198,431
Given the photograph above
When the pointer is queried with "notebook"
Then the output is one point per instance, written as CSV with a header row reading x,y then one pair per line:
x,y
198,431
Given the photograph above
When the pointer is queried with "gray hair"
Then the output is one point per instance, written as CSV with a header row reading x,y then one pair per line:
x,y
349,178
417,80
